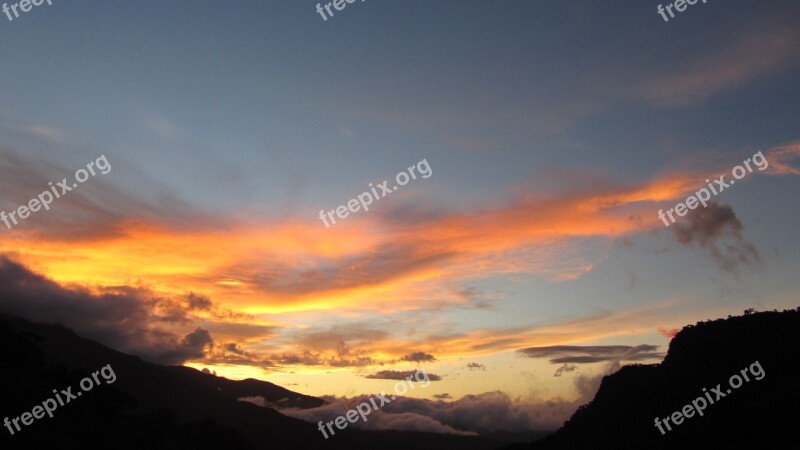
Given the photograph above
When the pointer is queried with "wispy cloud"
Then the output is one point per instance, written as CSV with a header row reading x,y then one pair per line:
x,y
780,159
575,354
705,75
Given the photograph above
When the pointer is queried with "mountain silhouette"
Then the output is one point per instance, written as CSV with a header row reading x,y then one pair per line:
x,y
168,407
160,407
760,414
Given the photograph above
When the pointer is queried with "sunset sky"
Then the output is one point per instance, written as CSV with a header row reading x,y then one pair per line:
x,y
555,131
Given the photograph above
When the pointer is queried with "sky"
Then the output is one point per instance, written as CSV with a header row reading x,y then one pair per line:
x,y
528,263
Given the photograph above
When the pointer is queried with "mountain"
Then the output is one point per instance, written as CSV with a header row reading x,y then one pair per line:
x,y
158,407
760,413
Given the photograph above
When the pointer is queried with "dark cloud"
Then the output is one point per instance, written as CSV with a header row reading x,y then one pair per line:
x,y
444,396
418,357
198,340
475,366
234,348
198,302
399,375
193,346
123,318
717,230
576,354
566,368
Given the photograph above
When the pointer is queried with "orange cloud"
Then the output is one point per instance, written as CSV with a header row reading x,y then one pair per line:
x,y
368,263
779,158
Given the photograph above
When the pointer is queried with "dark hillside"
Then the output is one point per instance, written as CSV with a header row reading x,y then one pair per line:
x,y
759,414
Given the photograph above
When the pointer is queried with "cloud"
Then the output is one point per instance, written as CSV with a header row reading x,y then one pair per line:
x,y
475,298
242,330
576,354
668,332
233,354
48,132
198,302
234,348
307,358
444,396
717,230
193,346
340,346
272,267
566,368
377,420
491,340
198,340
288,267
361,361
469,415
95,210
125,318
779,159
366,343
742,60
418,357
399,375
256,400
164,328
476,366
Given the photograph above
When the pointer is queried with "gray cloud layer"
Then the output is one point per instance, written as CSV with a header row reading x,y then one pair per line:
x,y
576,354
471,414
399,375
418,357
125,319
